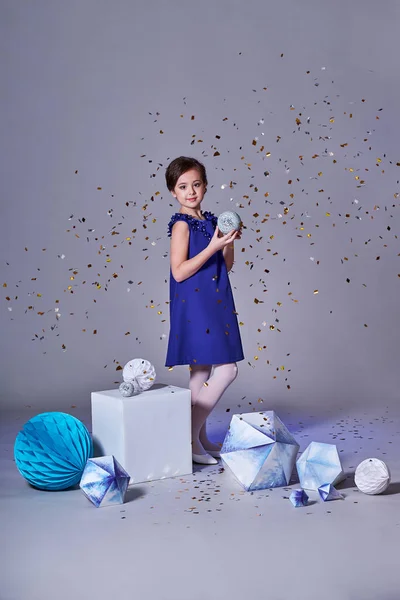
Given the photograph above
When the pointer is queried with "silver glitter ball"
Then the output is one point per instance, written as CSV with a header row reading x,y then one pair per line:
x,y
126,389
229,220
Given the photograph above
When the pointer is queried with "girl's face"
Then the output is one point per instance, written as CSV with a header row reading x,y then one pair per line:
x,y
189,189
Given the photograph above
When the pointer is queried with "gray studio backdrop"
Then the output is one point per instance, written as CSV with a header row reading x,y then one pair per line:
x,y
292,106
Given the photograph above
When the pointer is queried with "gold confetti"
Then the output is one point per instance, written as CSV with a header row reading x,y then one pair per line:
x,y
315,291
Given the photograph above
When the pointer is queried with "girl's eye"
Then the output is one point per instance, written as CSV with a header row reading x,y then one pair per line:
x,y
182,187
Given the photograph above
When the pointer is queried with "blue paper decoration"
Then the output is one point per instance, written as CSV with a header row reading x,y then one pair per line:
x,y
52,449
259,450
319,464
298,498
104,481
328,492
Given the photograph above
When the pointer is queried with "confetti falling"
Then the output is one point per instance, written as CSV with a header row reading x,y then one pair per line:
x,y
307,214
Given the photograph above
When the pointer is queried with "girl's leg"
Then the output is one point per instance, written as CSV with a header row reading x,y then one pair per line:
x,y
199,374
205,395
206,442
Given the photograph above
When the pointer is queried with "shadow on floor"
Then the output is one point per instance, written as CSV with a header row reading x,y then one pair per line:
x,y
347,483
133,493
394,488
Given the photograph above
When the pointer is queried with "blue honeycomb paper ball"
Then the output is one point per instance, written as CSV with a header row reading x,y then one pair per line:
x,y
52,449
229,220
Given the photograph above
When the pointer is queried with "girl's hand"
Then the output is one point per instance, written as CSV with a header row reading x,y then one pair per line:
x,y
219,240
239,233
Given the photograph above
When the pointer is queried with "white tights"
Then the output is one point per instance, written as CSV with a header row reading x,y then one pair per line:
x,y
206,392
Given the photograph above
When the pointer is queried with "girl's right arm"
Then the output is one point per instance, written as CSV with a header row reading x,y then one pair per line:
x,y
183,268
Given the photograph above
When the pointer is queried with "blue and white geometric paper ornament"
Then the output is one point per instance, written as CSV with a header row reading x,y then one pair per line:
x,y
328,492
52,449
319,464
104,481
228,220
259,450
298,498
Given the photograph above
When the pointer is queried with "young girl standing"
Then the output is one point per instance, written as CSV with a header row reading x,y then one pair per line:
x,y
204,331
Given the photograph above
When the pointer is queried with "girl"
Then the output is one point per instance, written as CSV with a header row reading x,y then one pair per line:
x,y
204,330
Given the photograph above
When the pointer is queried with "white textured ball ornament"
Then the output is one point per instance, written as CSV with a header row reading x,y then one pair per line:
x,y
140,373
372,476
229,220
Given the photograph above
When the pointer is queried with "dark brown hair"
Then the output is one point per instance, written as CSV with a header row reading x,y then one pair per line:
x,y
179,166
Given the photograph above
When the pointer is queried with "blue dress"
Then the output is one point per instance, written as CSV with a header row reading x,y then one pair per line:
x,y
203,323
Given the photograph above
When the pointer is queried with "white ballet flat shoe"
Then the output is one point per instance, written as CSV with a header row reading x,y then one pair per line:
x,y
204,459
215,453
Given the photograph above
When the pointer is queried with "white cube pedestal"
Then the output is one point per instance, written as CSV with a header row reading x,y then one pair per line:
x,y
149,434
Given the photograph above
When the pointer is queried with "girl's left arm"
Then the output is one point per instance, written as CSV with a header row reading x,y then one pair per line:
x,y
229,256
229,251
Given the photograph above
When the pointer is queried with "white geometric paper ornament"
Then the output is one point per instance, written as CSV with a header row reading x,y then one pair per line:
x,y
319,464
140,373
372,476
228,220
259,450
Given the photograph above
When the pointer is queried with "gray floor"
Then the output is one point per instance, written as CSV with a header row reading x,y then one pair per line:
x,y
201,537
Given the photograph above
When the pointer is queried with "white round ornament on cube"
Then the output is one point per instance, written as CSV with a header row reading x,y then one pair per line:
x,y
372,476
229,220
140,373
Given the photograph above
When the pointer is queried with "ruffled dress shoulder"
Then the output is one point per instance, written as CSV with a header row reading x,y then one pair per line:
x,y
194,224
